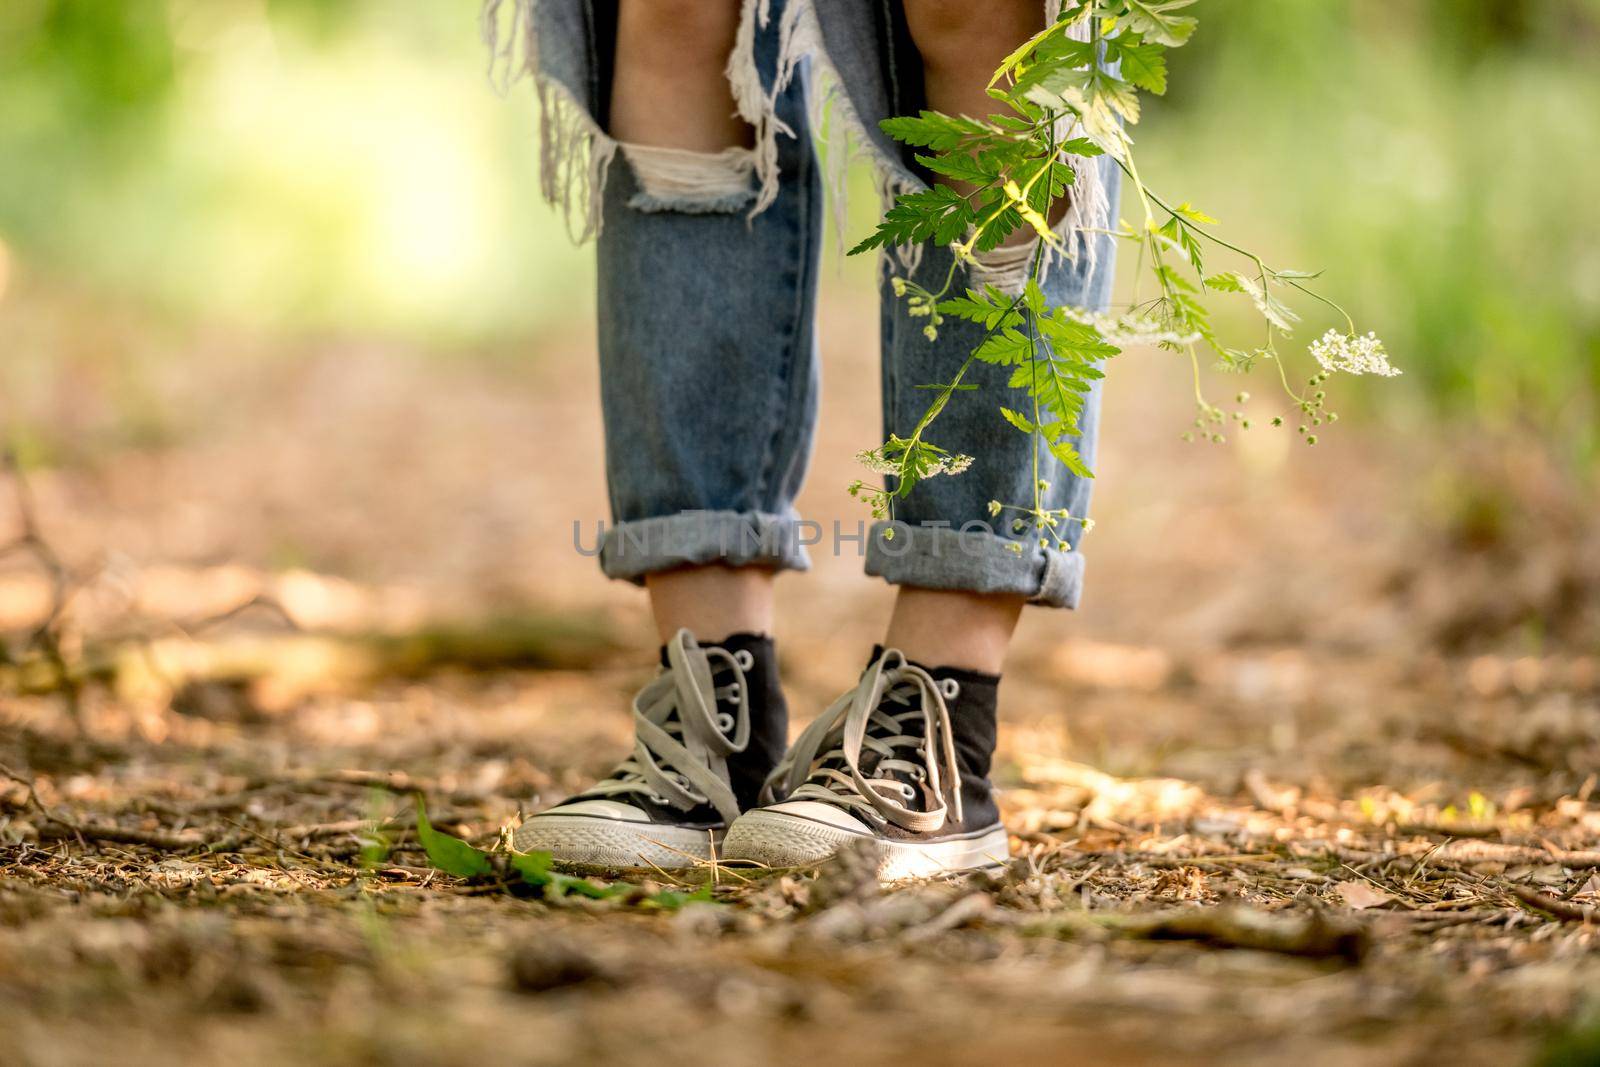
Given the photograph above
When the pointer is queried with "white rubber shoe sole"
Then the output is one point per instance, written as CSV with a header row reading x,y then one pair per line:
x,y
600,842
775,838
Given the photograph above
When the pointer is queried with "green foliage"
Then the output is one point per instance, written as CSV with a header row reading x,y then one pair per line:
x,y
533,871
1355,133
991,308
938,214
1576,1046
289,167
1084,72
102,63
450,854
942,133
1156,22
536,871
1143,65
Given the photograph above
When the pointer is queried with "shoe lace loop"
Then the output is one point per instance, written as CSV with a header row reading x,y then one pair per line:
x,y
682,734
825,763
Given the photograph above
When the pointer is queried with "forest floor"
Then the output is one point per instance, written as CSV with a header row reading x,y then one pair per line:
x,y
1311,778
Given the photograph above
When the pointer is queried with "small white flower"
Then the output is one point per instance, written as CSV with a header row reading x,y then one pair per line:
x,y
1336,351
874,460
1128,331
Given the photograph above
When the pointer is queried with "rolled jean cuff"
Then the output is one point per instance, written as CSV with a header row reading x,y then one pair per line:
x,y
939,557
631,550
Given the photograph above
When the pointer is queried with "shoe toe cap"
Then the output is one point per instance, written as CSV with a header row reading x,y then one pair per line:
x,y
791,835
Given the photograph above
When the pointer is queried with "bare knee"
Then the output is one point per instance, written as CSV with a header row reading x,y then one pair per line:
x,y
669,89
680,33
939,19
959,33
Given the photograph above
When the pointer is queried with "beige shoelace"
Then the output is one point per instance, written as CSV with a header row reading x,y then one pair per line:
x,y
825,763
682,739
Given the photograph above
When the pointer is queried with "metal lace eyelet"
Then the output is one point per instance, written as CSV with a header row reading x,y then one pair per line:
x,y
950,688
908,791
734,691
919,774
745,659
724,721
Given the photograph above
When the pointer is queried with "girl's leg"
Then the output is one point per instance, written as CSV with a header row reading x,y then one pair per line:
x,y
708,383
707,347
712,602
903,759
954,628
953,560
961,44
670,90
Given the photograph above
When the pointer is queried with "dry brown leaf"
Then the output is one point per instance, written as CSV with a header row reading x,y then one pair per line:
x,y
1361,895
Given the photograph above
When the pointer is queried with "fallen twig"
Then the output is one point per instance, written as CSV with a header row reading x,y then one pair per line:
x,y
1313,935
1553,906
1486,851
164,839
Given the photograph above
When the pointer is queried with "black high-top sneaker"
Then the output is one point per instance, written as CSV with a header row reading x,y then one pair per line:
x,y
902,761
707,731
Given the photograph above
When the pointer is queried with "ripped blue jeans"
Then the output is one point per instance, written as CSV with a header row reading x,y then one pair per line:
x,y
707,300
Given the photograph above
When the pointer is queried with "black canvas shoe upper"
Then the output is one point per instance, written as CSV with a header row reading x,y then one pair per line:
x,y
769,718
708,729
907,752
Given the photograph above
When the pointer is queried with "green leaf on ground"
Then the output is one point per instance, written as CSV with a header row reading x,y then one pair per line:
x,y
537,871
450,854
673,899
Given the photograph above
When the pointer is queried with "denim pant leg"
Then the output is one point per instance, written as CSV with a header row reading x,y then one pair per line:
x,y
943,536
706,307
709,373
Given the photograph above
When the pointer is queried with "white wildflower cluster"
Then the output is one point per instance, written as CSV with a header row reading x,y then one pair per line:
x,y
1346,352
875,461
929,462
1131,330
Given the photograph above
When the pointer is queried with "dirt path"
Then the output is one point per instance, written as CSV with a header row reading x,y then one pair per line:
x,y
1311,778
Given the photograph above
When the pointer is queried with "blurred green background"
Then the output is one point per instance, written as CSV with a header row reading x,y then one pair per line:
x,y
297,168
